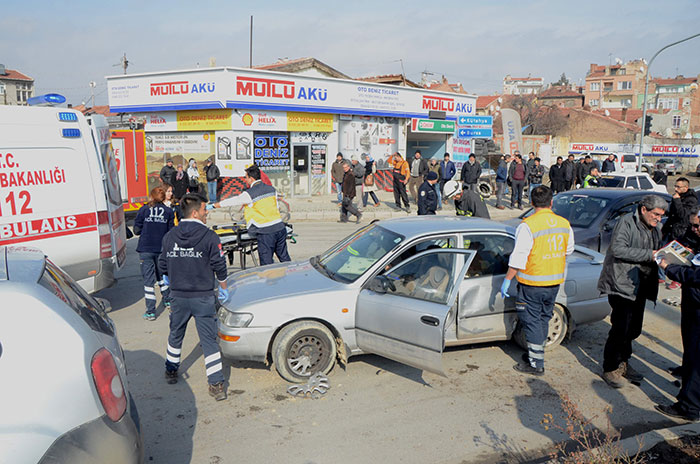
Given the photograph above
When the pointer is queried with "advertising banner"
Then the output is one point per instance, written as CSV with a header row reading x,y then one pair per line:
x,y
271,151
204,120
512,133
432,125
667,150
309,122
234,151
243,88
259,120
178,142
160,122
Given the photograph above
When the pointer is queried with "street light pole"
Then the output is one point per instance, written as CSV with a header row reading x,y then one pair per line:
x,y
644,102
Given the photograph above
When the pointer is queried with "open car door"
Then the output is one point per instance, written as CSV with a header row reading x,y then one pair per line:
x,y
401,312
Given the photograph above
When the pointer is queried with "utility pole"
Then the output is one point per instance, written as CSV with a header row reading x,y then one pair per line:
x,y
644,102
92,84
250,62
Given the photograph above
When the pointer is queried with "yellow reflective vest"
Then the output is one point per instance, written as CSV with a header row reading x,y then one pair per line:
x,y
262,216
546,262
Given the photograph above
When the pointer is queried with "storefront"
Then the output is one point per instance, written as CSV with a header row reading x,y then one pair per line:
x,y
290,125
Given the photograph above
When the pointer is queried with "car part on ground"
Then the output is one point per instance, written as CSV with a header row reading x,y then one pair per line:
x,y
317,386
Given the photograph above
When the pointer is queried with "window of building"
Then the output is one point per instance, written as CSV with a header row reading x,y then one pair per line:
x,y
624,85
595,86
608,87
667,104
626,102
676,122
594,102
2,88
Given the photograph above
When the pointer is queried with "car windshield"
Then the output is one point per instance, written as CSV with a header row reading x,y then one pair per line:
x,y
629,159
580,210
350,258
611,181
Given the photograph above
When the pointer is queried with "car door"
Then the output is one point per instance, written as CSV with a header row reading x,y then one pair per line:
x,y
482,314
401,313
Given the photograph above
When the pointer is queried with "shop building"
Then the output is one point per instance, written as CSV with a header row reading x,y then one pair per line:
x,y
290,125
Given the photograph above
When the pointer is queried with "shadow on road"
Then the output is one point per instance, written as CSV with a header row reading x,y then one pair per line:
x,y
383,364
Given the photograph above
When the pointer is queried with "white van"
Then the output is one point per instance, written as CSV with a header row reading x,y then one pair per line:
x,y
60,191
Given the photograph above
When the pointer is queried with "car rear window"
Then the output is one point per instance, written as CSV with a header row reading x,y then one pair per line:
x,y
579,210
65,288
611,181
629,159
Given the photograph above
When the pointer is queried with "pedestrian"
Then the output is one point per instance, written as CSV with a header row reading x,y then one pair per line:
x,y
262,217
358,170
534,176
337,174
517,175
583,169
180,183
501,180
447,172
508,164
538,261
569,173
471,172
171,202
687,406
530,161
400,174
434,166
167,173
348,196
677,223
419,169
153,221
609,164
628,279
591,180
660,177
193,175
369,184
467,202
427,196
190,259
557,176
212,173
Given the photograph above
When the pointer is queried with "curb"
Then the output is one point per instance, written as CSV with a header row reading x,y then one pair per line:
x,y
648,440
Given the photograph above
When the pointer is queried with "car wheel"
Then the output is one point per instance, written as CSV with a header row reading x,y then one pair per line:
x,y
558,328
485,189
302,349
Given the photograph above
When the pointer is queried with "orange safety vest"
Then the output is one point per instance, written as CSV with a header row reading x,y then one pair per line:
x,y
547,260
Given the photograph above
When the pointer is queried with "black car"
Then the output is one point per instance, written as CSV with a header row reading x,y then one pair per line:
x,y
593,212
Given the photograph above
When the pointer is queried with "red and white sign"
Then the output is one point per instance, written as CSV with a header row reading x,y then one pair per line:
x,y
164,121
35,229
260,120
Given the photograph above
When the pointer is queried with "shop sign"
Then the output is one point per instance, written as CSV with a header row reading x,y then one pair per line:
x,y
461,149
309,122
470,133
474,126
157,122
260,120
271,151
204,120
683,151
178,142
432,125
318,160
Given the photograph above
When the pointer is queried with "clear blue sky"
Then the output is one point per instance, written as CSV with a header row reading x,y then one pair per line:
x,y
64,45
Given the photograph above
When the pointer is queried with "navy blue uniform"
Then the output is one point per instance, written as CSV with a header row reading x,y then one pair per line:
x,y
151,224
191,256
427,199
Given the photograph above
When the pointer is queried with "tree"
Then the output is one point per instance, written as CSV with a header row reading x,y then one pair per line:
x,y
535,118
563,80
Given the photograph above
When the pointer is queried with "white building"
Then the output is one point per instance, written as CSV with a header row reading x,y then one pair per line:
x,y
522,85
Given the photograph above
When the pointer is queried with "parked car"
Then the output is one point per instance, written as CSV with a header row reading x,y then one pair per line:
x,y
403,289
629,164
63,393
631,180
593,212
669,166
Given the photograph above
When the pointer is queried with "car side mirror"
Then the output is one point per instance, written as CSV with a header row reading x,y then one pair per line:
x,y
381,284
607,227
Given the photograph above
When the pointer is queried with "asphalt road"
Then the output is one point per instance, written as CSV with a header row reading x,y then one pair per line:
x,y
378,410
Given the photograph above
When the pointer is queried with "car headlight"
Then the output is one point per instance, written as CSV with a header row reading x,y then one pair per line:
x,y
236,320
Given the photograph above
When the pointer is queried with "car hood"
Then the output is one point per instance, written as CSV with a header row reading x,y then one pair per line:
x,y
276,281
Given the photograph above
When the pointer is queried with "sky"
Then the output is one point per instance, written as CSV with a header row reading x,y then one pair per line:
x,y
64,45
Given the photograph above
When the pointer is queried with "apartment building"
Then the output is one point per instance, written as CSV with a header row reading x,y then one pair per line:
x,y
522,85
15,87
615,86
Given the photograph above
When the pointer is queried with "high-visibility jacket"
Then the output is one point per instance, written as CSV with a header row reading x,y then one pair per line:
x,y
547,259
263,216
401,170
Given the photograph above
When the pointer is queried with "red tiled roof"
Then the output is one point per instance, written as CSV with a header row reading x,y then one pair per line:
x,y
625,125
629,116
559,91
101,109
526,79
675,81
15,75
485,100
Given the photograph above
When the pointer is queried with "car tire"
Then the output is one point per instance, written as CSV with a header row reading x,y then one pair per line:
x,y
558,328
302,349
485,189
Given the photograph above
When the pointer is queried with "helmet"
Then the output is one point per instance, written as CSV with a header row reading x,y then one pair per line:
x,y
452,187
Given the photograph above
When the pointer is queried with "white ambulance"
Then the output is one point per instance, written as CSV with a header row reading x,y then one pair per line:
x,y
59,191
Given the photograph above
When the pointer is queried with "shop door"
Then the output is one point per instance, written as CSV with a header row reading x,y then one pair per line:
x,y
300,170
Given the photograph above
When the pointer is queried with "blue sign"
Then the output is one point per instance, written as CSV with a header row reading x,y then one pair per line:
x,y
482,133
475,120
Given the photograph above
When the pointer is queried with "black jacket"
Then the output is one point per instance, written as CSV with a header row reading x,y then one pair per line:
x,y
557,173
212,172
180,186
191,256
582,170
535,174
678,215
349,185
511,172
152,223
471,204
689,278
471,172
422,168
569,171
608,166
427,199
167,174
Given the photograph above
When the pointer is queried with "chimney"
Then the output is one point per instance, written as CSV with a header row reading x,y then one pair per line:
x,y
592,69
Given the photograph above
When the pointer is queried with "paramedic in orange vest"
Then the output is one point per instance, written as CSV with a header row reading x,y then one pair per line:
x,y
542,243
262,217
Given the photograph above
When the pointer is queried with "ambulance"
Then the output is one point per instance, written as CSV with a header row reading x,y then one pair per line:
x,y
59,190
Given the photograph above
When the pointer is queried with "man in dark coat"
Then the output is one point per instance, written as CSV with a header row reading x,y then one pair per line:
x,y
569,173
688,405
471,172
349,193
684,199
609,164
447,172
470,204
629,278
167,174
418,168
557,176
427,196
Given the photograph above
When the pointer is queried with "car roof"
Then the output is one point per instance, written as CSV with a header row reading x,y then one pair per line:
x,y
21,264
422,225
624,174
612,193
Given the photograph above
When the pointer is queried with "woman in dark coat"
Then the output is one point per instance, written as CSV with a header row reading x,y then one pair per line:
x,y
180,183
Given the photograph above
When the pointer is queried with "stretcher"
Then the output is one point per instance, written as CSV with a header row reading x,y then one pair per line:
x,y
235,238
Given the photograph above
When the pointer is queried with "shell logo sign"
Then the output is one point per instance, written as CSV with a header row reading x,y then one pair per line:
x,y
247,119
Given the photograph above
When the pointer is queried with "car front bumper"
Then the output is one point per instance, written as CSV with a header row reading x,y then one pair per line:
x,y
251,345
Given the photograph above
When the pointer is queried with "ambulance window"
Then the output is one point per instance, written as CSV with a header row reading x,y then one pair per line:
x,y
109,168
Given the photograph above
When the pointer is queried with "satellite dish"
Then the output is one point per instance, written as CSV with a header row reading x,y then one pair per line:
x,y
607,113
618,61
